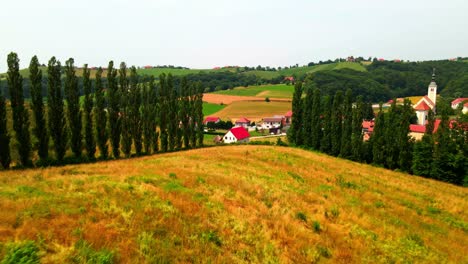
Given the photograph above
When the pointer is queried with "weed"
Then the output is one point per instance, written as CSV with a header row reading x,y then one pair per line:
x,y
301,216
296,177
316,226
200,180
324,251
22,252
172,175
84,253
433,210
212,236
333,213
379,204
345,184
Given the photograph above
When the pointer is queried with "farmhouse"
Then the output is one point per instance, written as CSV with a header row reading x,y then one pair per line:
x,y
288,118
243,122
417,131
458,101
236,135
273,122
213,119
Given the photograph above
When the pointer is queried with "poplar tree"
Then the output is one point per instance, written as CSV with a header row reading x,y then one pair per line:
x,y
20,113
336,123
390,133
100,117
126,128
345,151
146,115
193,118
155,108
356,131
378,138
404,141
325,142
423,150
135,116
113,98
185,111
172,112
72,95
5,158
306,134
90,143
37,102
199,113
294,133
57,123
316,124
163,113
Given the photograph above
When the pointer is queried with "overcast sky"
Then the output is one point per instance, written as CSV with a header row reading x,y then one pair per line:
x,y
210,33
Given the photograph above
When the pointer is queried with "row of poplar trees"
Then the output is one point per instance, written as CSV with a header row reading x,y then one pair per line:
x,y
127,116
333,125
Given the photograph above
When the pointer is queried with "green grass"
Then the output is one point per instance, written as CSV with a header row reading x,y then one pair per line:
x,y
272,91
209,108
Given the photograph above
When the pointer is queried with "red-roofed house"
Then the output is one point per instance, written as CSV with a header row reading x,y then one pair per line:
x,y
458,101
367,129
417,131
289,78
288,118
236,135
243,122
213,119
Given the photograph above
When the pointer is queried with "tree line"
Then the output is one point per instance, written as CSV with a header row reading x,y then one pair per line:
x,y
333,125
128,116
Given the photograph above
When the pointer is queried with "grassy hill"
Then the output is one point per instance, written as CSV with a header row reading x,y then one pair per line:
x,y
233,204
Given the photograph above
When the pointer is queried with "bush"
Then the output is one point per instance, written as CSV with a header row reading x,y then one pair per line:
x,y
24,252
267,99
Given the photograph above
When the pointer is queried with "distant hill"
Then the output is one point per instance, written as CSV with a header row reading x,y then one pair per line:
x,y
233,204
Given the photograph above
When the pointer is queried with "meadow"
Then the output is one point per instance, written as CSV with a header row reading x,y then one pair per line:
x,y
253,110
231,204
209,108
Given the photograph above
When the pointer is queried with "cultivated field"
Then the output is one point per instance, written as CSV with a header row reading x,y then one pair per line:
x,y
271,91
228,99
233,204
254,111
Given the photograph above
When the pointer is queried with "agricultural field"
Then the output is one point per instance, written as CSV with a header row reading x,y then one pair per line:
x,y
273,91
209,109
254,111
231,204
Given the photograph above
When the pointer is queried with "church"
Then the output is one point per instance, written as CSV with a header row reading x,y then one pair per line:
x,y
426,103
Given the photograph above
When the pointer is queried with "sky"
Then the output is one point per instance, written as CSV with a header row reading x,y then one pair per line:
x,y
210,33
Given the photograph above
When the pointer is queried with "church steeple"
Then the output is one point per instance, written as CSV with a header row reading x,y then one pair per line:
x,y
433,74
432,89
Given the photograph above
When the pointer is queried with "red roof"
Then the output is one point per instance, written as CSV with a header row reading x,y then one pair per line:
x,y
288,114
243,120
422,128
459,100
465,105
429,100
240,133
211,119
422,106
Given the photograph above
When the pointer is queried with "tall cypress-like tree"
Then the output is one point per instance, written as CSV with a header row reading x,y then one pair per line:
x,y
325,142
345,151
146,118
173,122
100,117
37,102
185,111
135,115
307,117
72,95
336,123
163,113
113,96
423,150
193,119
90,143
57,123
5,157
390,133
20,113
154,103
356,131
316,124
199,113
404,141
126,128
294,133
378,138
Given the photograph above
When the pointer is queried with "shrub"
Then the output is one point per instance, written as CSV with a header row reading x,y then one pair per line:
x,y
23,252
267,99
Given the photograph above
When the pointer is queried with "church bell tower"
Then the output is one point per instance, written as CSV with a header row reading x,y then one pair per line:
x,y
432,89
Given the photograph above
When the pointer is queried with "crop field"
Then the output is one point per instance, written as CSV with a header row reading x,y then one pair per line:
x,y
254,111
231,204
273,91
209,109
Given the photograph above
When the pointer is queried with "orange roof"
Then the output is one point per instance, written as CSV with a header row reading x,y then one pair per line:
x,y
288,114
422,106
243,120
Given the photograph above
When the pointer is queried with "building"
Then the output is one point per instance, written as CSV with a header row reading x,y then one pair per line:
x,y
465,108
427,102
272,122
417,131
458,101
288,118
236,135
213,119
242,122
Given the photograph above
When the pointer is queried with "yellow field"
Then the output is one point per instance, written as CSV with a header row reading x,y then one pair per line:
x,y
253,110
233,204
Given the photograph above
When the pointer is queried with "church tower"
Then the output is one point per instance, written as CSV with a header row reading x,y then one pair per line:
x,y
432,89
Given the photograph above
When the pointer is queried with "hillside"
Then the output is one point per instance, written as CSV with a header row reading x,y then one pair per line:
x,y
233,204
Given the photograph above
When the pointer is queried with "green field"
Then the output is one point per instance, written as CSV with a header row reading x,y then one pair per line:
x,y
254,111
230,204
273,91
209,109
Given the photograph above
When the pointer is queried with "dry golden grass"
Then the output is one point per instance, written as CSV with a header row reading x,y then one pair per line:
x,y
228,99
254,111
235,204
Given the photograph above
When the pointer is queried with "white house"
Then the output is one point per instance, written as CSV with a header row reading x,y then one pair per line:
x,y
236,135
458,101
272,122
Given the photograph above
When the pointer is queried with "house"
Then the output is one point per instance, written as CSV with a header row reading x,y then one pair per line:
x,y
243,122
236,135
288,118
289,78
367,129
458,101
417,131
272,122
213,119
426,103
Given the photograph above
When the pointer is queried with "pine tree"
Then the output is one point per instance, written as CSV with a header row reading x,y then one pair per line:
x,y
294,133
37,102
126,124
5,158
316,124
378,138
90,143
135,115
325,142
113,96
163,113
336,123
20,113
356,132
72,96
57,124
345,151
100,117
